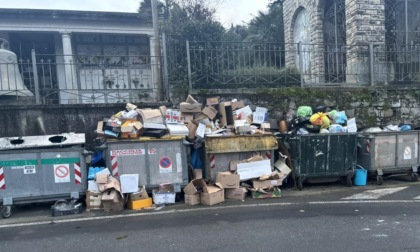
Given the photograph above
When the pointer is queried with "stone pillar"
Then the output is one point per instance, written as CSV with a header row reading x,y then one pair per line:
x,y
68,90
365,25
313,52
154,68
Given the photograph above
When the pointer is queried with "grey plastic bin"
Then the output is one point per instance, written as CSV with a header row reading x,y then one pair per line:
x,y
389,153
41,168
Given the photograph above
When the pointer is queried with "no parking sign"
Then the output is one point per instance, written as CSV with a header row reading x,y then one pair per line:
x,y
165,165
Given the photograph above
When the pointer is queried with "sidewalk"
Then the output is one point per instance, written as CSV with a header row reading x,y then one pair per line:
x,y
41,213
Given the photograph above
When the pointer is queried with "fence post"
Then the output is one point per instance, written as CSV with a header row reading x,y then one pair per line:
x,y
165,68
36,81
189,65
302,80
371,66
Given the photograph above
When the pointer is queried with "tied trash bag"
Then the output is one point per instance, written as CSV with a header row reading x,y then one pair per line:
x,y
337,128
320,119
405,127
340,117
304,111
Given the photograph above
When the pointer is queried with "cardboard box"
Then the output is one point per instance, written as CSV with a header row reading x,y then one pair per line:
x,y
228,180
113,206
186,107
282,168
198,173
102,178
213,194
191,100
93,201
194,187
252,170
166,188
130,126
172,116
163,197
233,165
129,183
192,200
210,112
226,114
186,117
139,204
276,193
110,196
266,183
141,194
100,128
192,128
213,100
237,105
236,193
150,116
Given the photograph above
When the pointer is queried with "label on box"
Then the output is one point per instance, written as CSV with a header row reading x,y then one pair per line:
x,y
274,182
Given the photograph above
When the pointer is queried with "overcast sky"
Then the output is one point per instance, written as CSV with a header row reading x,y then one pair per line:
x,y
230,11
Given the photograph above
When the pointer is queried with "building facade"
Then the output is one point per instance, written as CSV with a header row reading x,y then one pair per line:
x,y
73,57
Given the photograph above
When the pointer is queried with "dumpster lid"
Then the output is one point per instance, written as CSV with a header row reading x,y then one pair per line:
x,y
10,143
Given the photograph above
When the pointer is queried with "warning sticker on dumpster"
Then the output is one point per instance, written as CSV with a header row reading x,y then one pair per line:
x,y
29,169
165,165
62,173
133,152
152,151
407,153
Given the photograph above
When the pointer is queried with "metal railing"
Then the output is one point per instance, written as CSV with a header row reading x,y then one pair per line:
x,y
72,79
225,65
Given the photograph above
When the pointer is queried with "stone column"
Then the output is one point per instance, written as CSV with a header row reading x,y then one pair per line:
x,y
365,25
68,90
154,68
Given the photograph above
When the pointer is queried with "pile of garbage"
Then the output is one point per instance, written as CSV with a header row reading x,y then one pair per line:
x,y
320,120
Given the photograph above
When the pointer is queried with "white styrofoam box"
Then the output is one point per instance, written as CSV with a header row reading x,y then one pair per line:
x,y
254,169
129,183
163,197
92,186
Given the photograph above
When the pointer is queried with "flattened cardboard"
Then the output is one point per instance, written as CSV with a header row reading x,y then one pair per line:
x,y
186,107
236,193
210,112
191,100
192,200
266,183
283,168
100,128
252,170
228,180
150,115
237,105
194,187
192,128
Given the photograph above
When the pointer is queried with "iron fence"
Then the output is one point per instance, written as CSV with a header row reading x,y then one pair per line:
x,y
71,79
227,65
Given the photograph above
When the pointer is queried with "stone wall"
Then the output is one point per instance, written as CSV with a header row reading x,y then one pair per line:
x,y
370,106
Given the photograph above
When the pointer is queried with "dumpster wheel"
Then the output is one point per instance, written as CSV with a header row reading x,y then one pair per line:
x,y
379,180
414,176
6,211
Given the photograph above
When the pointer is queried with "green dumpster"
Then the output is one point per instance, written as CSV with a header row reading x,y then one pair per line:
x,y
322,157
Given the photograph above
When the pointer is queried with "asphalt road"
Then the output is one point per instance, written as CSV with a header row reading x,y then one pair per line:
x,y
389,223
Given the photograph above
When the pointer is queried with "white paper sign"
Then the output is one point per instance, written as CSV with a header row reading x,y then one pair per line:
x,y
178,163
201,130
351,125
62,173
29,169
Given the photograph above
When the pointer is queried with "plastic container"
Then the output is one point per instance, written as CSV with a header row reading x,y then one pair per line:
x,y
360,176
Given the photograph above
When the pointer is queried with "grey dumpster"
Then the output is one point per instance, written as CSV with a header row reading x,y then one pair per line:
x,y
221,150
389,153
41,168
157,161
322,157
